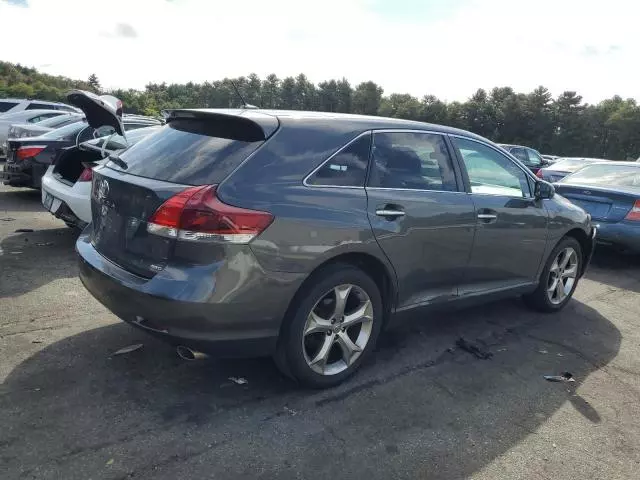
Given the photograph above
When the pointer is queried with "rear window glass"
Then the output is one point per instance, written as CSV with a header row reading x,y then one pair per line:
x,y
5,106
179,155
607,175
66,131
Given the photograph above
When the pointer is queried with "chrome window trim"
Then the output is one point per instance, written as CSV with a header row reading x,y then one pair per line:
x,y
353,187
517,163
415,190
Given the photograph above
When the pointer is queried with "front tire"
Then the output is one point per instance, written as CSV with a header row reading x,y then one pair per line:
x,y
332,328
559,278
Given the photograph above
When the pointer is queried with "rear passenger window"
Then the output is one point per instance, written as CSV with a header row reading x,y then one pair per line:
x,y
418,161
520,154
347,168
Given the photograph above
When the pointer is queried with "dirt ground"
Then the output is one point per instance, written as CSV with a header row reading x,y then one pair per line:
x,y
422,408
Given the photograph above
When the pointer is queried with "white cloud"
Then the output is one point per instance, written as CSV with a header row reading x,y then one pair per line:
x,y
587,45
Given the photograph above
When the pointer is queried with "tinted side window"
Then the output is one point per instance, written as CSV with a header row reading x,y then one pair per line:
x,y
86,134
419,161
5,106
534,158
38,106
347,168
490,172
520,154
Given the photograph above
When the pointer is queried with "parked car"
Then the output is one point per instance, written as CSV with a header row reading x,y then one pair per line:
x,y
29,158
66,186
530,157
563,167
25,130
610,193
27,116
11,105
256,232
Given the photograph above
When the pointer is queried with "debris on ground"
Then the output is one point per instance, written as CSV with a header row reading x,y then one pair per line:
x,y
563,377
473,349
24,230
128,349
239,380
36,341
503,349
16,252
44,244
110,461
290,411
7,219
544,352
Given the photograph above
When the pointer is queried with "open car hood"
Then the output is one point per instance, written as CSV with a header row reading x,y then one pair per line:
x,y
100,110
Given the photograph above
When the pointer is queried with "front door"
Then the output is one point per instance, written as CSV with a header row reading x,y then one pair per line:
x,y
511,226
421,217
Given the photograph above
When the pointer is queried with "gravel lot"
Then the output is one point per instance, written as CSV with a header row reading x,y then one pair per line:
x,y
423,408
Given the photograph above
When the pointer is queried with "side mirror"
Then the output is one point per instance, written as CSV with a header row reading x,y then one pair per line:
x,y
544,190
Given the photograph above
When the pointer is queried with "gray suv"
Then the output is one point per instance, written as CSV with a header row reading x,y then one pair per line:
x,y
303,235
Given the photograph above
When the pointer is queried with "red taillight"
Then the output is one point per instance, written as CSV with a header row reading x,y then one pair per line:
x,y
634,213
197,214
539,174
28,152
86,175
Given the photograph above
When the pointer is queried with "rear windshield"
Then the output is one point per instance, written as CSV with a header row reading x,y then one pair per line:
x,y
607,175
66,131
182,152
4,106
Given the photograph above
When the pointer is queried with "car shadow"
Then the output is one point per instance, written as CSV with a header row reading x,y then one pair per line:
x,y
31,259
425,406
16,199
611,267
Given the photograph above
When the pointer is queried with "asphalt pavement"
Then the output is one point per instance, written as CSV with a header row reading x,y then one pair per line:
x,y
423,407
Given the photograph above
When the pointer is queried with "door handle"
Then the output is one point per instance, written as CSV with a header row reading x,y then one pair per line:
x,y
387,212
487,216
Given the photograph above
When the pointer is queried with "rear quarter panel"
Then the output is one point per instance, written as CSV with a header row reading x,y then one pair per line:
x,y
312,224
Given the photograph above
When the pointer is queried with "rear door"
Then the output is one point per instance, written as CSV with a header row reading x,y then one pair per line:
x,y
510,225
420,216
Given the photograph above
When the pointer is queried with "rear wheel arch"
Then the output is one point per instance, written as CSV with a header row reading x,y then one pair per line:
x,y
369,264
585,245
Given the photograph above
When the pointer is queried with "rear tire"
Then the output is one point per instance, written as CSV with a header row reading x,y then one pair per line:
x,y
331,328
559,277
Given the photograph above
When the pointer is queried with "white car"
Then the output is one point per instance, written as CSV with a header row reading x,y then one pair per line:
x,y
66,186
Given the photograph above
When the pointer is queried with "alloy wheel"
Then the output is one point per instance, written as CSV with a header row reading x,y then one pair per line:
x,y
337,329
562,275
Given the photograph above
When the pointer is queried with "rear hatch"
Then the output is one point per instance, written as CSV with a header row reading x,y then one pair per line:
x,y
602,204
138,200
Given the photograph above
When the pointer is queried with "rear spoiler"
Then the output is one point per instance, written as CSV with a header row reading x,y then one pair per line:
x,y
245,125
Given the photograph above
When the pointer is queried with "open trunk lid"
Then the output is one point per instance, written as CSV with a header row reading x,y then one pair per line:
x,y
99,110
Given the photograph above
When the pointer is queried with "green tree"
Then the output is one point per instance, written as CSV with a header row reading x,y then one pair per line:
x,y
94,83
366,98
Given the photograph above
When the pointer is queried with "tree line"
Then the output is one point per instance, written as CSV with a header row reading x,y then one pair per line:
x,y
564,125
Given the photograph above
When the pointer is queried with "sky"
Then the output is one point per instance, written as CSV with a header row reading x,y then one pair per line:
x,y
447,48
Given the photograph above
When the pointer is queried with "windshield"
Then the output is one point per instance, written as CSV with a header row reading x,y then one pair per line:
x,y
66,131
607,175
571,164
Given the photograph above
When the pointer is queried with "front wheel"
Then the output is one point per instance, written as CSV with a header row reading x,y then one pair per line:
x,y
559,278
332,328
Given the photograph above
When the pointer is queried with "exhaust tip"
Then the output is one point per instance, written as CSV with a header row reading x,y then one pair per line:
x,y
186,353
